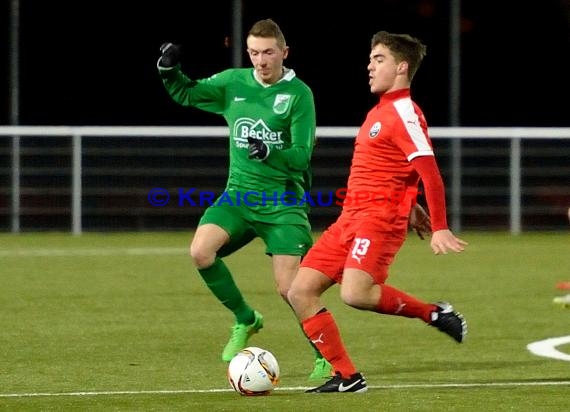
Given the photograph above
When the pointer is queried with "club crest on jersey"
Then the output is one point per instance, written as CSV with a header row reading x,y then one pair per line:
x,y
281,103
374,130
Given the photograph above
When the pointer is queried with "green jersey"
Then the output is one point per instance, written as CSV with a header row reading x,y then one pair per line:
x,y
282,114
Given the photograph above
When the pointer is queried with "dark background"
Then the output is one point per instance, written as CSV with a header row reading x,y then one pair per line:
x,y
94,62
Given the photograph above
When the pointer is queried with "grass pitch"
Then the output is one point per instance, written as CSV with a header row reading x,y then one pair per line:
x,y
123,322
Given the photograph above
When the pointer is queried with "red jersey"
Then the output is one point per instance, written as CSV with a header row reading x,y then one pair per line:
x,y
382,180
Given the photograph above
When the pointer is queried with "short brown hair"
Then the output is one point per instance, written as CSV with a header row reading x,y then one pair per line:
x,y
267,28
403,47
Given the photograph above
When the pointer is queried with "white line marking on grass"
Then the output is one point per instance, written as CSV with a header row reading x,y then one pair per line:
x,y
93,252
287,389
547,348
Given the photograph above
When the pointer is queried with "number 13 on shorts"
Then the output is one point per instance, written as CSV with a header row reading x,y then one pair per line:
x,y
360,248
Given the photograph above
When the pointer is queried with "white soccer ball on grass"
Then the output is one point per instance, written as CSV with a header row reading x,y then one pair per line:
x,y
253,371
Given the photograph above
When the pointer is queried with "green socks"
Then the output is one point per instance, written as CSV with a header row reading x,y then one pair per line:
x,y
220,281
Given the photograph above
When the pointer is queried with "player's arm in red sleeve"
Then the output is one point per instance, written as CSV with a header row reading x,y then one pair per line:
x,y
442,239
428,170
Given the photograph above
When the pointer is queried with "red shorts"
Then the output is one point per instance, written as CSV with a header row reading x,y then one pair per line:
x,y
369,244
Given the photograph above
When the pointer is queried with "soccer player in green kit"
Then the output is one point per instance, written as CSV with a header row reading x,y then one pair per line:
x,y
272,123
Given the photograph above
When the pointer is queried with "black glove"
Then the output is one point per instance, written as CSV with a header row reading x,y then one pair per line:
x,y
257,149
170,55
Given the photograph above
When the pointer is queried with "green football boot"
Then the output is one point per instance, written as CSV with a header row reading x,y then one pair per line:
x,y
321,370
240,336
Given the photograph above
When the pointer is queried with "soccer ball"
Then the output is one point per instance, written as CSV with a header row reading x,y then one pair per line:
x,y
253,371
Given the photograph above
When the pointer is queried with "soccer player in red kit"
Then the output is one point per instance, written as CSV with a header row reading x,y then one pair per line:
x,y
392,153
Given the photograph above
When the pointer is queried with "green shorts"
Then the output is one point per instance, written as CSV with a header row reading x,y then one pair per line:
x,y
241,225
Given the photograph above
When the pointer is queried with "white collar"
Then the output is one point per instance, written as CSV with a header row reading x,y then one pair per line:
x,y
288,74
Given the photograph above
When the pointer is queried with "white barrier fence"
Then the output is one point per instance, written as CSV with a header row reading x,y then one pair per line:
x,y
456,136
